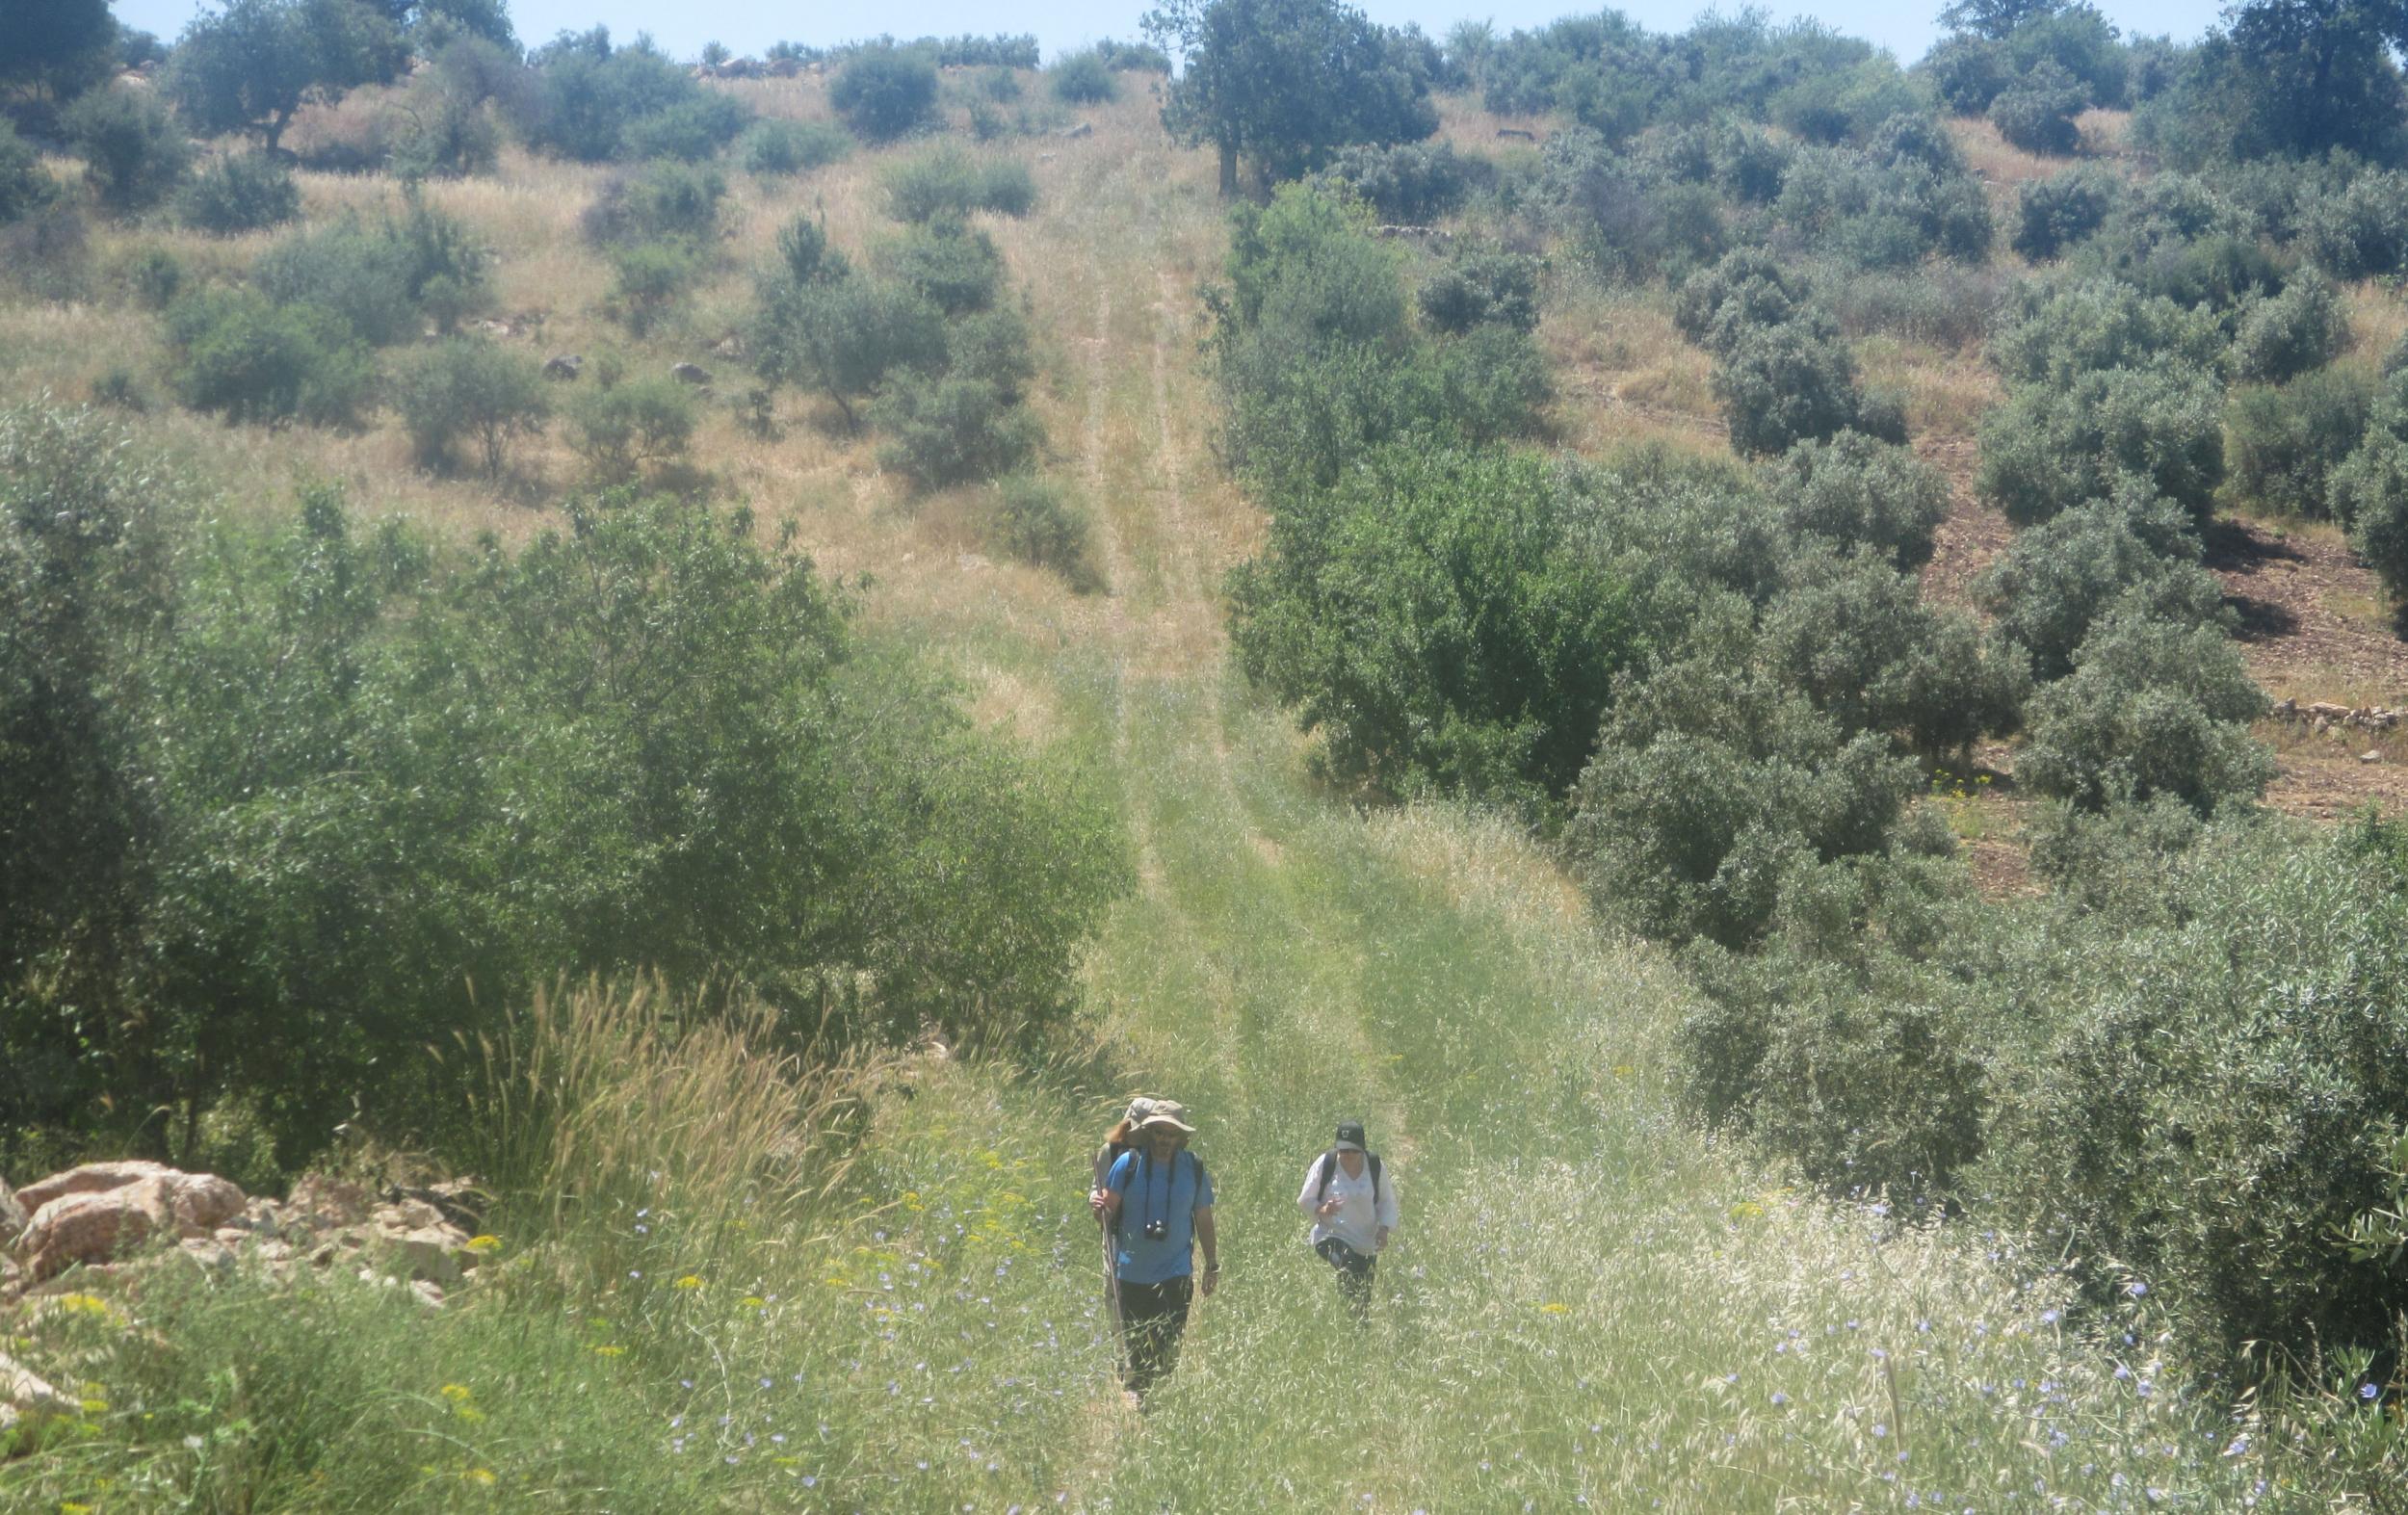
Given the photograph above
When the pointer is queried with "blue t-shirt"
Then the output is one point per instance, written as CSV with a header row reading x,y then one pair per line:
x,y
1149,1191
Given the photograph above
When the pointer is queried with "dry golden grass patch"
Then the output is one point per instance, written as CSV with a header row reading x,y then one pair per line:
x,y
2378,319
1470,125
1946,392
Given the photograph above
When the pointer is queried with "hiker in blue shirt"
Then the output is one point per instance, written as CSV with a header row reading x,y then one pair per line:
x,y
1159,1201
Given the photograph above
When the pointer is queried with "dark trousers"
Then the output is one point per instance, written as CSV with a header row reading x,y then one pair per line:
x,y
1152,1316
1354,1272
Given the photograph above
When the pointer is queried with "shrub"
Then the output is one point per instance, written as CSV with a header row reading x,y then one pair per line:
x,y
2369,491
1747,288
2058,332
238,192
842,337
1082,79
1786,384
2360,232
1034,523
648,279
884,92
25,186
1855,492
1710,782
1854,635
2213,1096
688,131
381,279
620,427
2053,446
1968,72
1001,86
1479,288
2303,327
952,429
134,152
1408,183
592,101
772,149
2055,213
155,277
2281,443
256,358
2151,708
666,201
2036,113
993,346
1431,621
951,182
1750,164
469,390
954,266
2134,553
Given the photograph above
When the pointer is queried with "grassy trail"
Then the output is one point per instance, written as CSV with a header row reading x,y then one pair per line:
x,y
1587,1301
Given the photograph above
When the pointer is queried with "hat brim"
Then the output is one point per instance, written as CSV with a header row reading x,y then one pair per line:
x,y
1158,1122
1350,1146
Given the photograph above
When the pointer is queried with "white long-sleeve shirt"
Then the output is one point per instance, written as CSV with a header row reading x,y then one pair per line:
x,y
1358,1221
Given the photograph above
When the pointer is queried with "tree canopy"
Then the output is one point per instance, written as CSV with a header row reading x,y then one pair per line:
x,y
1282,83
250,66
60,46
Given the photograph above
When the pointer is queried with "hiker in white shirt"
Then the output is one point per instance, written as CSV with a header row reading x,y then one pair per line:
x,y
1352,1205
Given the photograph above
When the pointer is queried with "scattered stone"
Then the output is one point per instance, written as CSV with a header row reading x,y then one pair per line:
x,y
730,347
2285,710
26,1400
2370,755
1082,129
972,563
1517,134
694,373
12,1214
322,1203
429,1294
563,366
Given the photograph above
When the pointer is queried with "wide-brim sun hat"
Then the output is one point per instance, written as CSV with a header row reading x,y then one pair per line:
x,y
1167,1114
1140,1108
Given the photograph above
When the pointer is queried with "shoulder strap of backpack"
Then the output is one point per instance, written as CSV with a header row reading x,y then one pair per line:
x,y
1328,1168
1373,1159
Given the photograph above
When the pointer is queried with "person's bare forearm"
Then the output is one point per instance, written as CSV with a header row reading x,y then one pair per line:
x,y
1208,1234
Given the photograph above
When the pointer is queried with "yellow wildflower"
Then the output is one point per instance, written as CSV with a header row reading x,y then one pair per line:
x,y
689,1281
610,1351
481,1476
457,1393
1552,1307
484,1243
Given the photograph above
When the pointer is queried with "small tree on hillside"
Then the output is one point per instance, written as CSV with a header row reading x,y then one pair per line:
x,y
62,46
1284,82
884,92
251,66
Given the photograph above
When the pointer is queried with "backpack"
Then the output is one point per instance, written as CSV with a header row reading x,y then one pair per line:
x,y
1329,1169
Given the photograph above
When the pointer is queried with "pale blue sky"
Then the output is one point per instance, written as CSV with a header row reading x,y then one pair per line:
x,y
683,26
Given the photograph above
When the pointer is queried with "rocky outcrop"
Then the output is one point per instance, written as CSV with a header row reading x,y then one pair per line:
x,y
94,1216
93,1213
2326,716
13,1213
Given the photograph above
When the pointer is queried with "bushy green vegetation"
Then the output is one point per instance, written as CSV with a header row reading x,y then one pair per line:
x,y
590,101
467,389
926,336
249,66
245,192
951,182
134,152
252,357
1036,523
884,92
24,188
772,149
421,784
